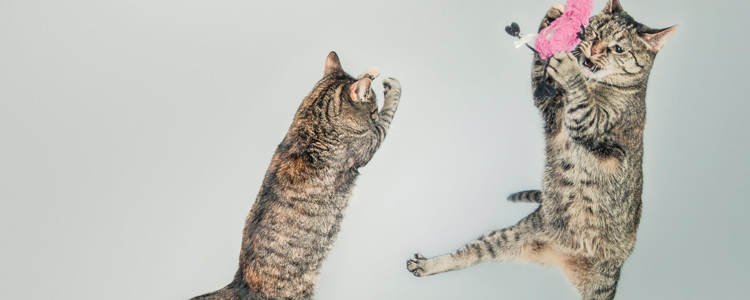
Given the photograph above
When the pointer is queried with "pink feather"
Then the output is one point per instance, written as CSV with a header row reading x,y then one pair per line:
x,y
562,34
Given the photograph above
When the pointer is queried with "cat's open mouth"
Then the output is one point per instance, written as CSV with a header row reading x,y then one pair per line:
x,y
589,65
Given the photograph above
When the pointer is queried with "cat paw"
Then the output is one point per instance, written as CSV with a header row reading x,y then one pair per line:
x,y
552,14
391,84
372,73
564,69
416,265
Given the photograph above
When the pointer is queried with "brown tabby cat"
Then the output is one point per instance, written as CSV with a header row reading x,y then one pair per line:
x,y
591,191
297,215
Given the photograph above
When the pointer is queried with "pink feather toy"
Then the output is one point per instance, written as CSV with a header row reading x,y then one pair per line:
x,y
562,35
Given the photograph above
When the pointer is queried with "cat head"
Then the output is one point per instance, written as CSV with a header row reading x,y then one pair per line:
x,y
354,106
340,115
617,49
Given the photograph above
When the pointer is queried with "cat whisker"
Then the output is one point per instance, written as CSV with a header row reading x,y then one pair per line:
x,y
392,128
608,82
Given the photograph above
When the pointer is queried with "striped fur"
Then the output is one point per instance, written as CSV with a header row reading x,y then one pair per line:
x,y
591,190
297,214
532,196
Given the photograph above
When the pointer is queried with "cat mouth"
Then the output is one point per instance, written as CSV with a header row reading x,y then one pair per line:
x,y
590,65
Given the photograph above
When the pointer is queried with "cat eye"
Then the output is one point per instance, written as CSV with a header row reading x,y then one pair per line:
x,y
619,49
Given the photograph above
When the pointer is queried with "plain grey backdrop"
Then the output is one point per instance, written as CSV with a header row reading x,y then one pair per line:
x,y
134,136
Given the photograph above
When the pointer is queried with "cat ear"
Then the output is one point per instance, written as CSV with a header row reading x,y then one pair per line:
x,y
333,64
613,7
371,73
359,89
656,38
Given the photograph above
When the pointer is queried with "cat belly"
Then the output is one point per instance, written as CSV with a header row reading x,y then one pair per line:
x,y
579,190
285,249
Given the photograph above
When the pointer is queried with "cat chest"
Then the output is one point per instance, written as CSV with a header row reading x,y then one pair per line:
x,y
579,184
575,161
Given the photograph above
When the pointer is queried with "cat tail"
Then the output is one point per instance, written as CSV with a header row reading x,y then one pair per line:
x,y
531,196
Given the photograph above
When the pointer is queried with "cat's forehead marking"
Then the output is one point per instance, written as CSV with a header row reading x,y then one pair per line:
x,y
621,37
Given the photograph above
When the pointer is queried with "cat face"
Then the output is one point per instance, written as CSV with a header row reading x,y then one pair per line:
x,y
618,50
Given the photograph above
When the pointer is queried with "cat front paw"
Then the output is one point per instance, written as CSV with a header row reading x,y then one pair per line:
x,y
552,14
417,265
564,69
391,84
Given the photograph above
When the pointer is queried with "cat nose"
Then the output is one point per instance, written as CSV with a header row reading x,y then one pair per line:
x,y
598,48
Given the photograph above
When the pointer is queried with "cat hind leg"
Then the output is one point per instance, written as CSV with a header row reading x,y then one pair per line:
x,y
515,243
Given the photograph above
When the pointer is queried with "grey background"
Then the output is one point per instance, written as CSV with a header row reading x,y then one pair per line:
x,y
134,136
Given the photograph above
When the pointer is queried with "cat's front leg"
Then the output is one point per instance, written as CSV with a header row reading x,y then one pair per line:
x,y
392,93
587,117
537,69
548,106
392,96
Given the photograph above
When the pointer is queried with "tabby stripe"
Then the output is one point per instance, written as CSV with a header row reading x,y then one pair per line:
x,y
491,249
586,115
606,289
577,107
606,119
588,182
563,208
628,72
636,60
582,127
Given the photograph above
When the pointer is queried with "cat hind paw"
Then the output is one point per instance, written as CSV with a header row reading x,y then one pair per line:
x,y
416,264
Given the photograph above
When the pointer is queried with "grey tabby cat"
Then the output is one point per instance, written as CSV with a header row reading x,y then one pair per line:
x,y
297,215
591,190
